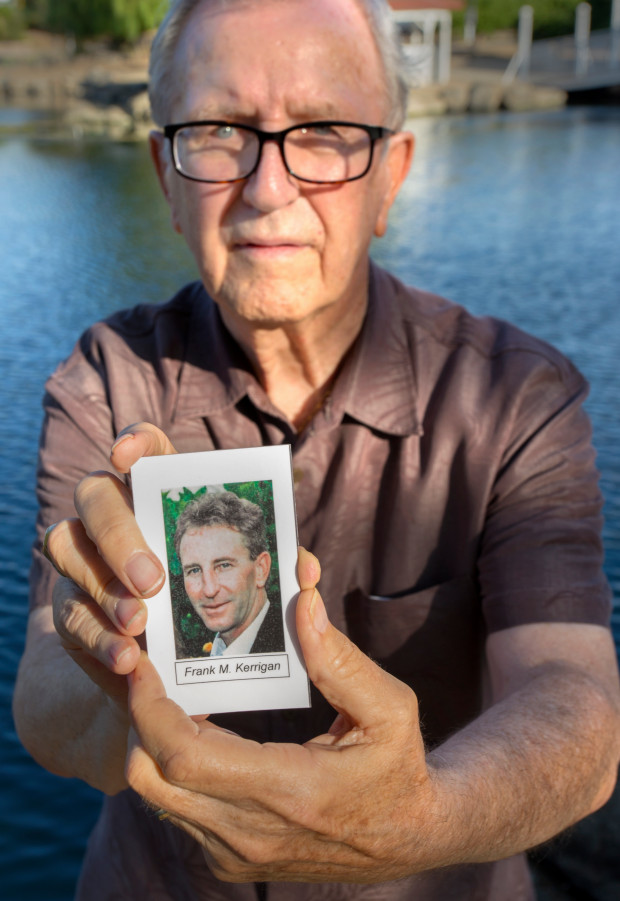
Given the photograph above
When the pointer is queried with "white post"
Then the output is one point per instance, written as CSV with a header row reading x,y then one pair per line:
x,y
583,22
615,33
526,33
445,47
471,23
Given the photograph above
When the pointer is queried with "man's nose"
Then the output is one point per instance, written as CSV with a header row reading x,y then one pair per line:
x,y
271,186
210,584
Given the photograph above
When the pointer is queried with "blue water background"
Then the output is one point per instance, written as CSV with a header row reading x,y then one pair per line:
x,y
515,216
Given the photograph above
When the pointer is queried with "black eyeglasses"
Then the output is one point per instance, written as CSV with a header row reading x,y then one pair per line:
x,y
322,153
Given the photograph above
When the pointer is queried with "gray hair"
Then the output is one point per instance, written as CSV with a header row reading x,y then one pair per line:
x,y
378,15
225,508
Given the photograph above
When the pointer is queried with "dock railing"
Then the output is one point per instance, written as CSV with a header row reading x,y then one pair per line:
x,y
586,60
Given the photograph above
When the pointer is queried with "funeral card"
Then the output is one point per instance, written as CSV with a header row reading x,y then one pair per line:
x,y
221,632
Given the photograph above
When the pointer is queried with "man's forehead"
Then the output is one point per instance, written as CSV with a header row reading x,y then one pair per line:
x,y
213,533
304,37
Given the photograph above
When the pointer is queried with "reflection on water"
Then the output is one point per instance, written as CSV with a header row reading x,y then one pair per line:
x,y
514,216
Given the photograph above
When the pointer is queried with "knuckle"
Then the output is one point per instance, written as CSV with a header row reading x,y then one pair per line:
x,y
242,858
349,660
134,772
76,621
71,617
404,708
58,542
90,485
63,605
178,767
232,870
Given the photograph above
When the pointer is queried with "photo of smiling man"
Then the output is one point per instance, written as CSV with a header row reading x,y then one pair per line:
x,y
221,545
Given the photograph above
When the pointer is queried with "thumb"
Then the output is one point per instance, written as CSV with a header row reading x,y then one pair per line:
x,y
353,684
142,439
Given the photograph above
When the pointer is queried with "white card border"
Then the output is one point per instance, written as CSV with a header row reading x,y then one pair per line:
x,y
152,475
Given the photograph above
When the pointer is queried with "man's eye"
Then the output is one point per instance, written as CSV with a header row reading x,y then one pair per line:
x,y
192,570
319,130
224,132
224,565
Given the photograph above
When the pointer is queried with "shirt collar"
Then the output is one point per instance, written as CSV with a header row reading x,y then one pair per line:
x,y
378,377
243,644
376,386
215,373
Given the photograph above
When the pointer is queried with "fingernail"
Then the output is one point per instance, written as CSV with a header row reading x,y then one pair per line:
x,y
120,440
143,572
318,613
127,610
118,650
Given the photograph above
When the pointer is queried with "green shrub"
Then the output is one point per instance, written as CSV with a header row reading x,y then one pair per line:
x,y
121,20
11,22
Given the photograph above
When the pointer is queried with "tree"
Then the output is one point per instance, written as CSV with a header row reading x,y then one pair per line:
x,y
121,20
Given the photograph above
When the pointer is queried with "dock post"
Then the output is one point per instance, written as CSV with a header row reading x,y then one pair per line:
x,y
583,22
614,57
471,23
520,62
445,47
526,33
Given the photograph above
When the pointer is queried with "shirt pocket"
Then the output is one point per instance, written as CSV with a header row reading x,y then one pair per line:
x,y
433,641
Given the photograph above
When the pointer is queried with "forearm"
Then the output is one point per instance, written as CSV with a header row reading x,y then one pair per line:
x,y
538,761
66,721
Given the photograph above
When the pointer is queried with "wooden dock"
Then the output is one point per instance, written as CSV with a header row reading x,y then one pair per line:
x,y
564,63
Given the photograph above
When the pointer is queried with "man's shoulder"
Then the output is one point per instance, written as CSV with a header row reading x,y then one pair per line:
x,y
144,347
438,329
270,637
164,320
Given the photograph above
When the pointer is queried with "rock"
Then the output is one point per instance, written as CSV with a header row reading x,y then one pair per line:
x,y
486,97
7,90
139,107
426,101
521,97
457,97
87,120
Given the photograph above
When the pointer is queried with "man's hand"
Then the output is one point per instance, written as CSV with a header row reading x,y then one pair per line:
x,y
75,722
341,807
98,607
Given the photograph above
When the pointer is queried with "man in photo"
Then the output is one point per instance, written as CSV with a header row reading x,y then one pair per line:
x,y
222,546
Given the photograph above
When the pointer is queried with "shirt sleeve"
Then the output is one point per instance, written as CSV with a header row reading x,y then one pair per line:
x,y
77,433
541,551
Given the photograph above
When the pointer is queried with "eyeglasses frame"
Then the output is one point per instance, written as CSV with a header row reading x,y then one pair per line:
x,y
374,132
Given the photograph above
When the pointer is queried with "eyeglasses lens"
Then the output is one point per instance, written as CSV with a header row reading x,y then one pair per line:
x,y
321,153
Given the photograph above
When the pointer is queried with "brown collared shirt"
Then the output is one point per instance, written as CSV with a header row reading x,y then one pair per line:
x,y
448,488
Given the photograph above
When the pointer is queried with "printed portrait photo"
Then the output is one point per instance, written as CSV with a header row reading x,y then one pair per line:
x,y
223,569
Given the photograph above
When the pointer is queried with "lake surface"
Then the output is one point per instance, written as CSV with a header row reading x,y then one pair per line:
x,y
516,216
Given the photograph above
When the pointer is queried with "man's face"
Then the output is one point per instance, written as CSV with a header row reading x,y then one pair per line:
x,y
272,249
222,582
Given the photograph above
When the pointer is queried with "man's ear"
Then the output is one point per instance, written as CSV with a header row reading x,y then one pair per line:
x,y
263,568
160,154
399,156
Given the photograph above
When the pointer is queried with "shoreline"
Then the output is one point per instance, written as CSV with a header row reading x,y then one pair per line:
x,y
102,94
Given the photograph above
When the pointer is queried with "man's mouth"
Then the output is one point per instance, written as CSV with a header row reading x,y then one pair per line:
x,y
268,245
212,608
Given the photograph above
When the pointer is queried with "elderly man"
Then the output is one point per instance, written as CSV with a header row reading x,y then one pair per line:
x,y
221,543
445,480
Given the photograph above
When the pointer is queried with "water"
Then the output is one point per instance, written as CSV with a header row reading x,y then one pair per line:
x,y
512,215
